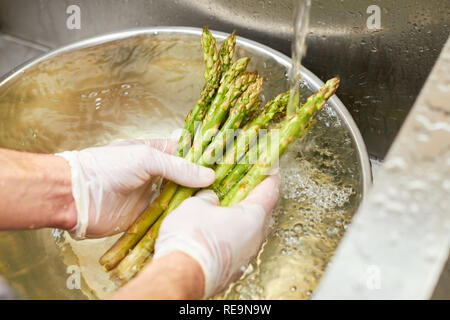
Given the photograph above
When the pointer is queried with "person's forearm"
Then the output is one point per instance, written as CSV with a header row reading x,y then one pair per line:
x,y
175,276
35,191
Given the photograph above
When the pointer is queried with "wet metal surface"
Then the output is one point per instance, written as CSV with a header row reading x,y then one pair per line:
x,y
14,52
399,240
382,70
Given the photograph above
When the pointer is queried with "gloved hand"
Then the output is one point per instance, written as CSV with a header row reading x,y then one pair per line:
x,y
112,185
222,240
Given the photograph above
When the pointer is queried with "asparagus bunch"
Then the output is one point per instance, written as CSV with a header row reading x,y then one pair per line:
x,y
139,254
228,101
214,66
293,126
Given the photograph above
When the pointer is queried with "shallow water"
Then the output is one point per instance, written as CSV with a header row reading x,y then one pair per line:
x,y
143,87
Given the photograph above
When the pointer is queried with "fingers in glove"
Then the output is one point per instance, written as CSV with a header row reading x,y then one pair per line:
x,y
165,145
209,196
179,170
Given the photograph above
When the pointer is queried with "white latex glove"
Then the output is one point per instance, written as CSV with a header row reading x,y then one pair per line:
x,y
113,184
222,240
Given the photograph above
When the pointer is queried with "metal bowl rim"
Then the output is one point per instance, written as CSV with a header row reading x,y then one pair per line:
x,y
281,58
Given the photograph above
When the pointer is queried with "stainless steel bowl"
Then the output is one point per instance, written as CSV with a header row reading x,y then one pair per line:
x,y
93,92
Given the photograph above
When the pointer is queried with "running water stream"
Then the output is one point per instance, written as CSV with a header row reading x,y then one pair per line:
x,y
298,50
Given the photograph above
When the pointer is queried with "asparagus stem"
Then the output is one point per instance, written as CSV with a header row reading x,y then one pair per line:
x,y
137,257
235,175
290,128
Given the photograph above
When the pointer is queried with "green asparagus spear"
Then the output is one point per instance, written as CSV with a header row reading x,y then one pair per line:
x,y
235,175
210,55
226,51
290,128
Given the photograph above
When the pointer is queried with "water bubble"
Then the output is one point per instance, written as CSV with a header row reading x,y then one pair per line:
x,y
298,228
58,235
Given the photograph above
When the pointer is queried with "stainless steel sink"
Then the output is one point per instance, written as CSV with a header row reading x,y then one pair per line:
x,y
382,70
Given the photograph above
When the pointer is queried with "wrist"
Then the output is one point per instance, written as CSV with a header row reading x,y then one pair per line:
x,y
36,191
174,276
56,173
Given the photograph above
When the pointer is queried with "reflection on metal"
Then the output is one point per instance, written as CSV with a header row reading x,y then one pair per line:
x,y
399,240
382,70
